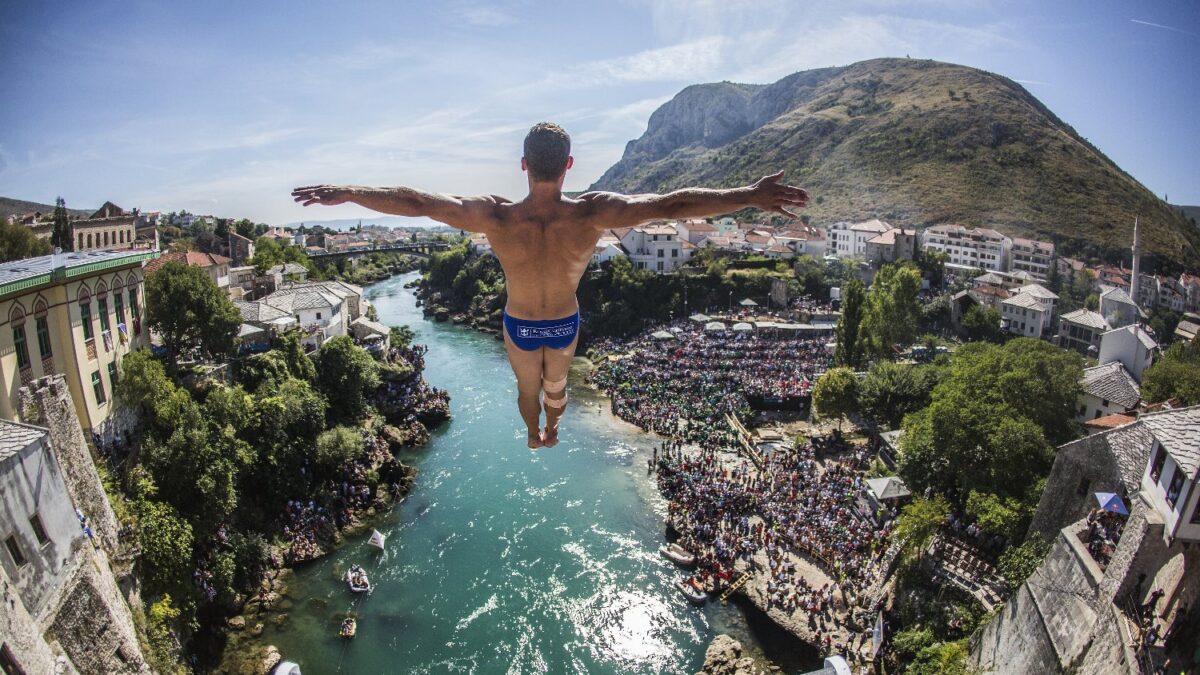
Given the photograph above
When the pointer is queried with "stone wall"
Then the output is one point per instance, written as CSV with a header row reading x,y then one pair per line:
x,y
92,623
20,635
51,400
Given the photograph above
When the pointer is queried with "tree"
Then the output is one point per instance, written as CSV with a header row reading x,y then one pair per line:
x,y
1018,563
919,520
849,350
835,394
346,374
185,306
61,235
890,319
401,336
18,241
166,541
337,447
1175,375
982,324
892,390
1005,516
244,228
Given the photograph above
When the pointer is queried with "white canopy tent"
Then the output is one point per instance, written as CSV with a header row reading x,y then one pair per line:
x,y
662,335
700,318
742,327
714,327
747,302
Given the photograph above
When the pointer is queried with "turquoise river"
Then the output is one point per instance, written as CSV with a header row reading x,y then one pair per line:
x,y
504,560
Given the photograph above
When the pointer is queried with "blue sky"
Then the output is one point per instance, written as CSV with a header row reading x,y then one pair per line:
x,y
222,107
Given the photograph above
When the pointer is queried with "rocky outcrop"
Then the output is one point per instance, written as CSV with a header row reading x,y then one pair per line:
x,y
725,657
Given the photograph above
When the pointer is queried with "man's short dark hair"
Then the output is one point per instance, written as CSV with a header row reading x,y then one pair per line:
x,y
547,147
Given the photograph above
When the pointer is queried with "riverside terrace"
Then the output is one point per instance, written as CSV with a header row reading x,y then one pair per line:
x,y
685,378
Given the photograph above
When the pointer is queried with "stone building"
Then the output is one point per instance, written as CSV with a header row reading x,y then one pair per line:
x,y
109,228
72,313
1088,614
61,610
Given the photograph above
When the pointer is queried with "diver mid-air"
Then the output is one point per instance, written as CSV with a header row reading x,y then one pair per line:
x,y
544,244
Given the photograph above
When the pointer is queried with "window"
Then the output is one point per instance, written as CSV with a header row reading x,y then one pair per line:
x,y
1104,402
1196,513
1084,484
1083,410
35,522
98,387
674,253
43,337
102,304
14,550
1175,486
133,303
318,316
8,662
112,374
119,305
660,266
85,314
660,253
21,347
1160,458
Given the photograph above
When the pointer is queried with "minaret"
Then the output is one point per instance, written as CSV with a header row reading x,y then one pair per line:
x,y
1137,254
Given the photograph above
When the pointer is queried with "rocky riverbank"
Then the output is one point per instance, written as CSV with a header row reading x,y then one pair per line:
x,y
725,656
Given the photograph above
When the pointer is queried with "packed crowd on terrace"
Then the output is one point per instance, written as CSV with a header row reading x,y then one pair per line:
x,y
687,384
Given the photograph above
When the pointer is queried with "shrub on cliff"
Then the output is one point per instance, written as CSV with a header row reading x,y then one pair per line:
x,y
346,374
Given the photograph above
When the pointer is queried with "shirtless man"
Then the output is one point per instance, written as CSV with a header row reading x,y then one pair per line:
x,y
544,244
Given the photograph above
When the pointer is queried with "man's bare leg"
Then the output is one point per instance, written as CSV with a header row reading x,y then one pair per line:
x,y
527,366
556,363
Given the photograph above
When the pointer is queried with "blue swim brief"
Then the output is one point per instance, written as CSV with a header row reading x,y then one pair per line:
x,y
529,334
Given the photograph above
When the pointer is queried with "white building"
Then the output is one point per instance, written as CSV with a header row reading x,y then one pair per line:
x,y
696,230
981,248
1024,314
1044,295
1118,309
607,248
1081,330
1169,483
1033,256
1107,389
839,240
654,247
1130,346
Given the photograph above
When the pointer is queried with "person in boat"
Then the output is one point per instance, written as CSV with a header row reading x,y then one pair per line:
x,y
544,244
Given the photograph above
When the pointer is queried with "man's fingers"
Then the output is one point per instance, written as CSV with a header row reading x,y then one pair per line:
x,y
775,177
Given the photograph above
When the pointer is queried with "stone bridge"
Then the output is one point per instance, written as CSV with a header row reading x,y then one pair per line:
x,y
417,248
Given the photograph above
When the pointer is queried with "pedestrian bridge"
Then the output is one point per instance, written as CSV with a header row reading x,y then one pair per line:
x,y
420,248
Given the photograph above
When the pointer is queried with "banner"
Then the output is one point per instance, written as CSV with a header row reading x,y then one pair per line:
x,y
779,292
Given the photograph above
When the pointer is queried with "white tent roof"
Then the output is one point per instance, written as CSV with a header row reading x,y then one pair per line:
x,y
742,327
889,487
700,318
747,302
714,326
662,335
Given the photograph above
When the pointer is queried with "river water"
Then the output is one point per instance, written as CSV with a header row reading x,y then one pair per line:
x,y
506,560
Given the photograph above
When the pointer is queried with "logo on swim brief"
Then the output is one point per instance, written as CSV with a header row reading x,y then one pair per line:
x,y
561,330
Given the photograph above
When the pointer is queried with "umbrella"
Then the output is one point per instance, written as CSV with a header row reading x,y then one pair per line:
x,y
714,326
662,335
748,303
742,327
1112,502
700,318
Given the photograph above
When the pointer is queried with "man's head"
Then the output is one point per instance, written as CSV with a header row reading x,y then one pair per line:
x,y
547,152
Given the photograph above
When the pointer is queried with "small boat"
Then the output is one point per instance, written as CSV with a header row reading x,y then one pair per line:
x,y
356,579
693,594
348,629
677,554
286,668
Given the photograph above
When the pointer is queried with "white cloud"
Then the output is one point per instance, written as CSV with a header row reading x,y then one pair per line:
x,y
483,15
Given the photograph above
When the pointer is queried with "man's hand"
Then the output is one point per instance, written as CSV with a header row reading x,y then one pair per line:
x,y
769,194
325,195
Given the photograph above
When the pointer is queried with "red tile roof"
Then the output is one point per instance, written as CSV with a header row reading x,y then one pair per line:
x,y
194,258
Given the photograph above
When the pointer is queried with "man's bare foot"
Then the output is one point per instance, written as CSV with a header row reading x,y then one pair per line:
x,y
535,440
550,437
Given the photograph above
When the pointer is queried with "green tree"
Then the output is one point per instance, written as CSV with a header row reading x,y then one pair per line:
x,y
892,309
401,336
1006,516
338,446
835,394
1018,563
891,390
1176,375
982,324
166,541
346,374
919,521
61,235
185,306
18,242
849,349
144,384
945,658
244,228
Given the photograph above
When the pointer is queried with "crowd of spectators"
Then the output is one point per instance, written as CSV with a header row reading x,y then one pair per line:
x,y
1103,534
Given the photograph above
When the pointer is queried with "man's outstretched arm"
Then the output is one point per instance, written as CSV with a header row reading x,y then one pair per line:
x,y
473,214
768,194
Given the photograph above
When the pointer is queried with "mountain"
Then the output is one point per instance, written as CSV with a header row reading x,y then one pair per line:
x,y
382,221
913,142
16,207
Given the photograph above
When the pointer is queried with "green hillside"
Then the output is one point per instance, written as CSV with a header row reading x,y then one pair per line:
x,y
16,207
913,142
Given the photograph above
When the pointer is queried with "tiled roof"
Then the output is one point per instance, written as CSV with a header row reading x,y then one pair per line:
x,y
875,225
1139,334
989,278
27,268
1129,446
288,268
258,312
1111,382
1117,294
1087,318
1111,421
1025,300
1179,432
1038,291
193,258
16,437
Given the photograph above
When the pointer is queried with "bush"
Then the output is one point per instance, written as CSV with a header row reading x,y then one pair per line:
x,y
947,658
338,446
1018,563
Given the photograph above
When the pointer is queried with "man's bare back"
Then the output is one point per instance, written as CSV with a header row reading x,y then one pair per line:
x,y
544,243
